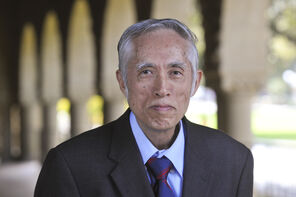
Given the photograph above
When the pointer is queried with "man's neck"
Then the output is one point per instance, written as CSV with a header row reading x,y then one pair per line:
x,y
162,139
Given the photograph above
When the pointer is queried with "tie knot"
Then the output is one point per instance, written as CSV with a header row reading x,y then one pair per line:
x,y
160,167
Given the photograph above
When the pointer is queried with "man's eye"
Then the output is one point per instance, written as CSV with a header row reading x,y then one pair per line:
x,y
146,72
175,72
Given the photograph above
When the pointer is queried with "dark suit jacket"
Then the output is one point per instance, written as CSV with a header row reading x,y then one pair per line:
x,y
106,162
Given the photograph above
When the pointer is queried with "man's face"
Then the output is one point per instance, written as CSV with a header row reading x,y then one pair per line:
x,y
159,80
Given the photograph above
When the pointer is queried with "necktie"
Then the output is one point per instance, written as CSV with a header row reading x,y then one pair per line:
x,y
159,168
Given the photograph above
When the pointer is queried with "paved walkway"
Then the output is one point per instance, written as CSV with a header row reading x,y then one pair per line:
x,y
275,168
18,179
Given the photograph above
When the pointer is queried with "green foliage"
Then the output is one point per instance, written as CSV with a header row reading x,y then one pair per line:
x,y
95,108
283,18
63,105
283,49
209,120
282,53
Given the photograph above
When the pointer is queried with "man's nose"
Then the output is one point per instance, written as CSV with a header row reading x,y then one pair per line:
x,y
161,86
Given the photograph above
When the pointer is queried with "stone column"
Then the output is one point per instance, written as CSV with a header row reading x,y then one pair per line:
x,y
31,116
81,65
180,10
51,72
80,121
112,30
31,130
244,35
49,129
234,112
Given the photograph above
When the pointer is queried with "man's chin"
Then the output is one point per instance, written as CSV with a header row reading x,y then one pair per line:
x,y
163,126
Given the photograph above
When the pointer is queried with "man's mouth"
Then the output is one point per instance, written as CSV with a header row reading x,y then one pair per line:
x,y
162,108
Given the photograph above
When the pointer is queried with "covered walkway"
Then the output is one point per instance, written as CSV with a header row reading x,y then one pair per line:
x,y
18,179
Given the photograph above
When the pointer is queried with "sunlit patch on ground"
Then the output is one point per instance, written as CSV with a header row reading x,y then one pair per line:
x,y
275,168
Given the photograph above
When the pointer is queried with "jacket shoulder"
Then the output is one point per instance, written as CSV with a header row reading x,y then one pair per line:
x,y
214,139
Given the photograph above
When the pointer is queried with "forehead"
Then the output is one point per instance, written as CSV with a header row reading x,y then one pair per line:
x,y
160,37
164,44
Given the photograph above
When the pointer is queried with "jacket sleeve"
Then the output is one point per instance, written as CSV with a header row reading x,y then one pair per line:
x,y
245,187
55,178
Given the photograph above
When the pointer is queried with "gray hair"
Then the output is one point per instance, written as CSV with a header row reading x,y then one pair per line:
x,y
150,25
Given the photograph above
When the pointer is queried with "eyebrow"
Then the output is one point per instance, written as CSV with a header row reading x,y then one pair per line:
x,y
178,65
144,65
172,65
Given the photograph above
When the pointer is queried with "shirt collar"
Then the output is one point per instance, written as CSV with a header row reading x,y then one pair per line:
x,y
175,153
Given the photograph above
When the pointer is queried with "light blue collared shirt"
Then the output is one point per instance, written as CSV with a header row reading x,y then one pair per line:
x,y
175,154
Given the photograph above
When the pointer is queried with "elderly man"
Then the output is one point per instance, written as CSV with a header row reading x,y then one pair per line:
x,y
152,149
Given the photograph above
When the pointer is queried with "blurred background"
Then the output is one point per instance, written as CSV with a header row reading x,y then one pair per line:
x,y
57,78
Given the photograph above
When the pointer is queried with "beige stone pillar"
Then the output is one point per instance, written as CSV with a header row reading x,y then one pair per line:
x,y
49,129
113,28
31,114
181,10
30,107
81,65
80,120
51,90
235,114
244,36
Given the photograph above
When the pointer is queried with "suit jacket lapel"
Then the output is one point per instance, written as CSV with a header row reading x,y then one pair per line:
x,y
129,174
197,164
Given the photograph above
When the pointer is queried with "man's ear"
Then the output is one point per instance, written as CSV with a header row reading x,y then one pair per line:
x,y
121,83
197,82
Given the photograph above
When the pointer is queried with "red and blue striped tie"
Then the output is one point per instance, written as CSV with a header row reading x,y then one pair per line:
x,y
159,168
